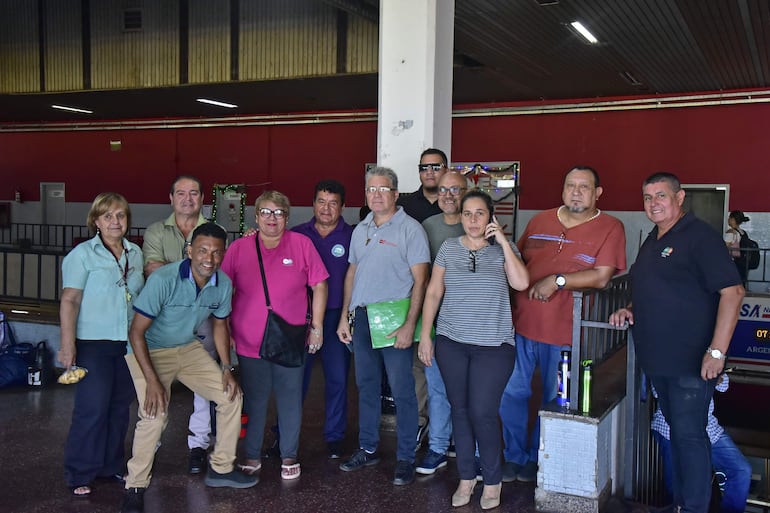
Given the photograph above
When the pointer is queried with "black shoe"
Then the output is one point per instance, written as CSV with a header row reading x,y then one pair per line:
x,y
133,501
197,460
360,460
274,451
335,450
233,479
404,473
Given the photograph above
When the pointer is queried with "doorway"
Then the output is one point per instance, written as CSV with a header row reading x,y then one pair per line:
x,y
708,202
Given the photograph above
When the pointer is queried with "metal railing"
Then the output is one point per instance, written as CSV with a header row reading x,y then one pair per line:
x,y
30,274
595,339
60,237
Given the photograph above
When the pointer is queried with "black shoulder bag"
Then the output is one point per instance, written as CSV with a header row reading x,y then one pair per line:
x,y
283,343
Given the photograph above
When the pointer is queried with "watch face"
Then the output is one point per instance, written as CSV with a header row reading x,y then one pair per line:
x,y
561,281
716,353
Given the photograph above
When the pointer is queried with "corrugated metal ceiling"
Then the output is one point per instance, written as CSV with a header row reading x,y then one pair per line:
x,y
512,50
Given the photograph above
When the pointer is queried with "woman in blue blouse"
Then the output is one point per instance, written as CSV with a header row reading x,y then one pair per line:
x,y
100,278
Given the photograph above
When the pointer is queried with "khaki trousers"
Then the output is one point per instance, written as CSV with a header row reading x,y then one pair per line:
x,y
193,367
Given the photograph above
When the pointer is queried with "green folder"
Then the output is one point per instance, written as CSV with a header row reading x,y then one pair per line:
x,y
385,318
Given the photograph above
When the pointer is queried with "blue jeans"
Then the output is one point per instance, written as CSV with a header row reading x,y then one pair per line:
x,y
439,411
335,358
684,401
398,366
514,405
728,460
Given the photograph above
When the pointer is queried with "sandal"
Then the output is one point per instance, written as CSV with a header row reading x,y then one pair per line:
x,y
250,467
81,491
290,471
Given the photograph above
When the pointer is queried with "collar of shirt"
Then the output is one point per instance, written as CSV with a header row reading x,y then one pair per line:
x,y
185,272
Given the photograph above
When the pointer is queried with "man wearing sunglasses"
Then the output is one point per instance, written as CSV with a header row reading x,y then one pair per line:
x,y
572,247
439,228
165,242
423,203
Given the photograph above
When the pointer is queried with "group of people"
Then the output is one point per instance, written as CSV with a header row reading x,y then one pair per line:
x,y
441,258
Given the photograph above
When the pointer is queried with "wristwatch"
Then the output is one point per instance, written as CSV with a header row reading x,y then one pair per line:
x,y
561,281
227,366
716,354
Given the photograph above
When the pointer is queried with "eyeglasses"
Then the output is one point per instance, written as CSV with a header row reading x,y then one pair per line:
x,y
561,242
265,213
472,263
382,189
425,167
454,189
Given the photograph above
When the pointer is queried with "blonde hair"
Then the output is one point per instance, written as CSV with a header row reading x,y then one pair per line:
x,y
276,197
102,204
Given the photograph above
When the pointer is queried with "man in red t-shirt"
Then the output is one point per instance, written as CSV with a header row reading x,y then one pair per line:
x,y
572,247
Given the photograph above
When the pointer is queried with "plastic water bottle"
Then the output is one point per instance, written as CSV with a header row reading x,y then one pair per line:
x,y
585,385
562,397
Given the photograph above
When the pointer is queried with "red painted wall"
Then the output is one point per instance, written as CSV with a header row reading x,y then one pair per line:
x,y
719,144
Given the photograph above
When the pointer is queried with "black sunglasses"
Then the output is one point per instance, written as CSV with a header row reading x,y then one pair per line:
x,y
434,167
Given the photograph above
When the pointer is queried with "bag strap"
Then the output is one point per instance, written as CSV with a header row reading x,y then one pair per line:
x,y
309,314
262,272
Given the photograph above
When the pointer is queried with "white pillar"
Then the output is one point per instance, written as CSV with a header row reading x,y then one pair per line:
x,y
415,84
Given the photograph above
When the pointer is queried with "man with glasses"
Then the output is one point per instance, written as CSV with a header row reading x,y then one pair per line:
x,y
165,242
572,247
331,236
389,259
439,228
422,203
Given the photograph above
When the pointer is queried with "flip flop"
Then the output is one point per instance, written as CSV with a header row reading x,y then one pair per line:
x,y
290,471
85,491
250,470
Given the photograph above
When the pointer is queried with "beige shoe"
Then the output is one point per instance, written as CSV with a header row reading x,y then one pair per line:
x,y
462,495
490,498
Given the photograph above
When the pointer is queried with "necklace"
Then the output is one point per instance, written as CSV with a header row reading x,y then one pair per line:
x,y
558,216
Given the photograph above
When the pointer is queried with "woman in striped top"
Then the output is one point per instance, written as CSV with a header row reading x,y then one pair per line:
x,y
474,338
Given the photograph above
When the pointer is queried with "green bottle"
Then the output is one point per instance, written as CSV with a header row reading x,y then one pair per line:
x,y
585,386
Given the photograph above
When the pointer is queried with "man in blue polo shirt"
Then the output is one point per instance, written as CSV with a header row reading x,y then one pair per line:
x,y
177,298
686,293
331,236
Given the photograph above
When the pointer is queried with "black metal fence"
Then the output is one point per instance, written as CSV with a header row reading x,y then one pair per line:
x,y
30,274
595,339
60,237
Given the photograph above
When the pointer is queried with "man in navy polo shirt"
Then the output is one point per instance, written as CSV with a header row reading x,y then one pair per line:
x,y
686,293
331,236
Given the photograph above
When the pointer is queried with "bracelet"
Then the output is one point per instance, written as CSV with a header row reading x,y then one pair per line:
x,y
315,331
227,366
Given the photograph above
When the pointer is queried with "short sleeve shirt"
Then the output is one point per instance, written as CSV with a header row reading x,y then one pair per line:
x,y
177,307
438,231
476,307
290,268
675,288
384,256
549,248
417,206
163,242
333,250
105,310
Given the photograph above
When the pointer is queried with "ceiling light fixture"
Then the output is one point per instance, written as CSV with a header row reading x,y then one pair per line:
x,y
218,104
584,32
71,109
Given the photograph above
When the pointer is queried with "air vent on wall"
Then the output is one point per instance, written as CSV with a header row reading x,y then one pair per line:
x,y
132,20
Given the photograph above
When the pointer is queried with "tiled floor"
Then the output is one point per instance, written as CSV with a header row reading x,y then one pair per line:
x,y
34,424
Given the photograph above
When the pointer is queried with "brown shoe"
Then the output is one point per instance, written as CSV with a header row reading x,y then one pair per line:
x,y
462,495
490,498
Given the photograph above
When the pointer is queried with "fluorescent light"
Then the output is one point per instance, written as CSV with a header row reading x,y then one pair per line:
x,y
71,109
506,184
20,312
584,32
218,104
